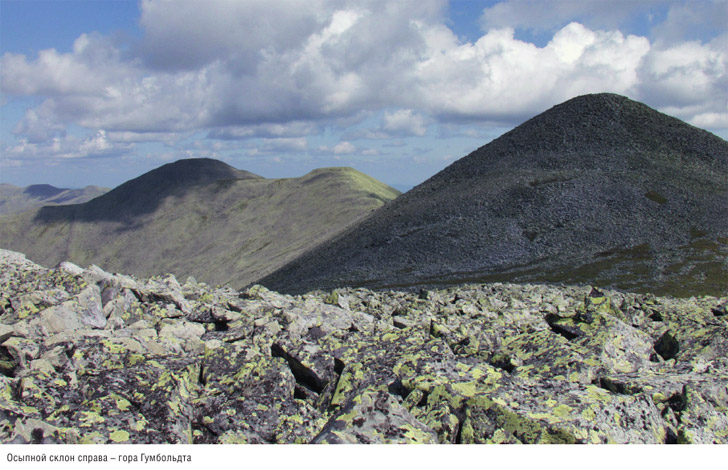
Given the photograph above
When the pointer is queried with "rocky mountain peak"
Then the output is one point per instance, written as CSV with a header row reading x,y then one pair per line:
x,y
604,130
599,189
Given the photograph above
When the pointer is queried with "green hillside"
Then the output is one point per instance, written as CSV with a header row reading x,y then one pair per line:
x,y
14,199
226,227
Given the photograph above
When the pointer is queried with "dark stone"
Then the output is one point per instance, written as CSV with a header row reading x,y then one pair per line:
x,y
7,363
37,435
667,346
617,387
679,401
569,187
108,293
396,388
502,361
670,436
595,293
655,316
221,325
567,331
303,375
316,333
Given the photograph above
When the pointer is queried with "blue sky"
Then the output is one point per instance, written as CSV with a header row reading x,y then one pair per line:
x,y
98,92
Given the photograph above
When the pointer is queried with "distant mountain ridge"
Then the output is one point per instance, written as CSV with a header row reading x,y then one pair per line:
x,y
15,199
599,189
198,217
142,195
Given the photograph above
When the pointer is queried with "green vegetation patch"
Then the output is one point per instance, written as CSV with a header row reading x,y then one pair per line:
x,y
655,196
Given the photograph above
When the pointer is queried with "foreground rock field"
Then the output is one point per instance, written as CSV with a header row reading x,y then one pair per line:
x,y
92,357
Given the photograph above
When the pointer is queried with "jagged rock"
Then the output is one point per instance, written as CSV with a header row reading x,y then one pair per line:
x,y
375,417
92,357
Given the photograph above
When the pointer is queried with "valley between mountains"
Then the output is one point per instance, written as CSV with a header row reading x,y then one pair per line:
x,y
565,283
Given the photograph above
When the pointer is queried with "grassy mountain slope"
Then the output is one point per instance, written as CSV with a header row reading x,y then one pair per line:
x,y
200,218
600,189
14,199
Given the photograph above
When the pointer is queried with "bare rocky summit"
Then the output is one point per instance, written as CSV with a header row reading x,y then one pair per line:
x,y
597,190
92,357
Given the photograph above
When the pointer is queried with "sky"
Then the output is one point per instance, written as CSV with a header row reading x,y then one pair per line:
x,y
101,91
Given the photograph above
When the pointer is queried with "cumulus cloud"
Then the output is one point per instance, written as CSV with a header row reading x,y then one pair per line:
x,y
405,121
266,130
691,20
501,78
342,148
533,15
97,145
93,62
278,145
39,126
689,80
189,35
281,71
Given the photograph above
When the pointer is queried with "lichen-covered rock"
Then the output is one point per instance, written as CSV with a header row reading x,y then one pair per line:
x,y
87,356
374,416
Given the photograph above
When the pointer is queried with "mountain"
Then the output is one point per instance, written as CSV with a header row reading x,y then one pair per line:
x,y
599,189
14,199
198,217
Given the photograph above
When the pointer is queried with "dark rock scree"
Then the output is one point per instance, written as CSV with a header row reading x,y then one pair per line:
x,y
597,190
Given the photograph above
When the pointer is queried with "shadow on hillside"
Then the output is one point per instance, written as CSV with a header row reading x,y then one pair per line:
x,y
125,205
42,191
143,195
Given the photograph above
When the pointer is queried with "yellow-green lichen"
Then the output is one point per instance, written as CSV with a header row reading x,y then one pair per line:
x,y
90,418
563,411
119,436
140,424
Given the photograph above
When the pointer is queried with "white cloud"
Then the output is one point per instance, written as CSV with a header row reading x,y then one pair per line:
x,y
687,72
342,148
689,80
711,120
502,78
188,35
540,17
405,122
39,126
689,20
282,71
280,145
168,138
96,145
67,148
86,71
270,130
